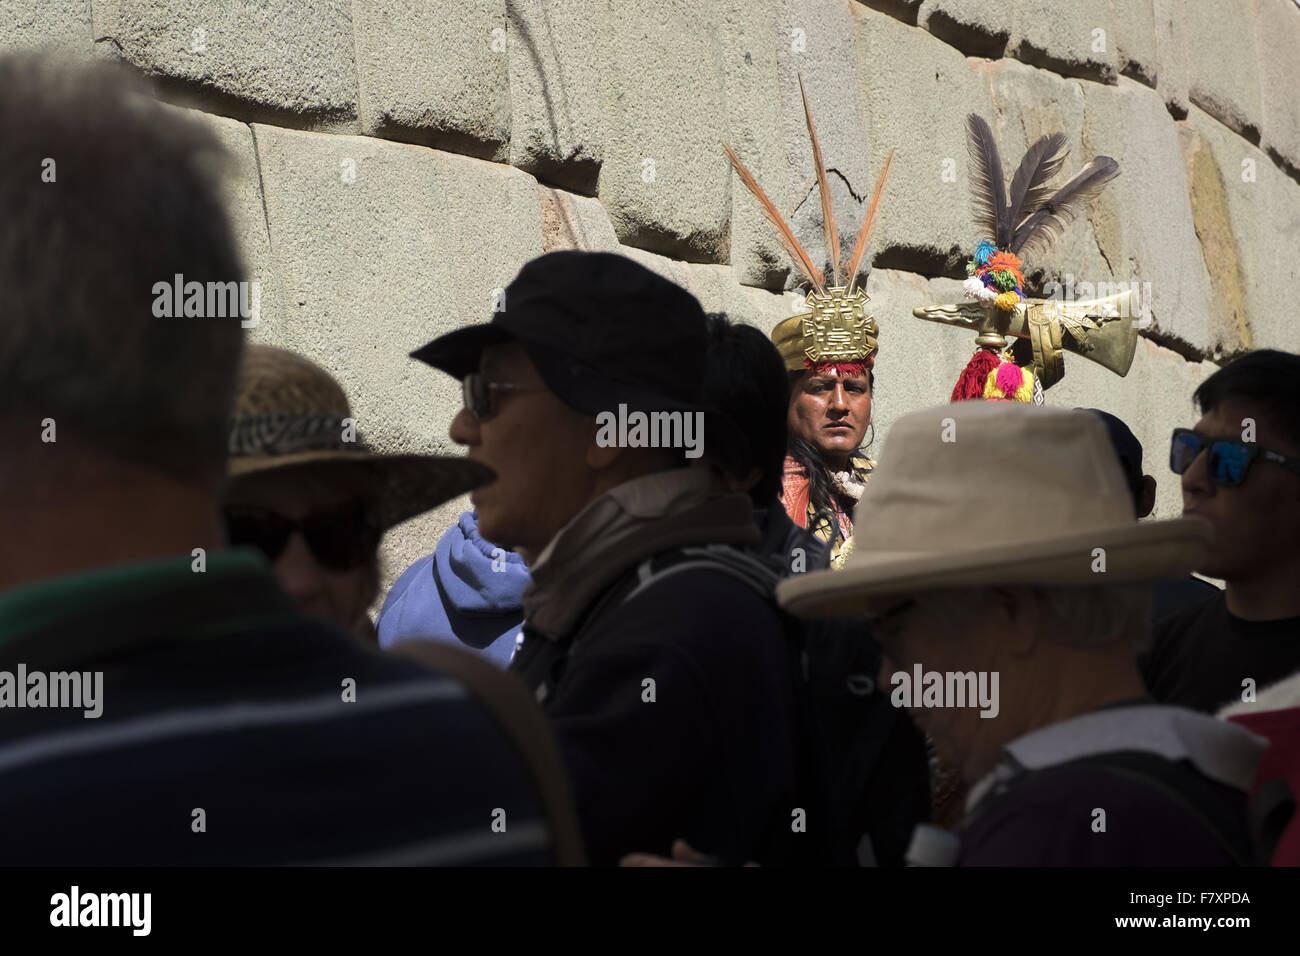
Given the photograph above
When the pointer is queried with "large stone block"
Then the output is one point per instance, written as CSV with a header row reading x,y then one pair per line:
x,y
25,24
1173,71
1073,39
293,56
718,291
752,41
243,195
916,92
435,73
570,221
559,63
975,27
1223,79
664,180
379,247
1143,219
1263,212
1277,41
1133,31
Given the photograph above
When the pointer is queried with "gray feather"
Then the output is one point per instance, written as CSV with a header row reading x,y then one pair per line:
x,y
1029,186
989,192
1033,236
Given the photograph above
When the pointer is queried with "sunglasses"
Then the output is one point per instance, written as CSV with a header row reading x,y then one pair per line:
x,y
479,394
1229,460
341,538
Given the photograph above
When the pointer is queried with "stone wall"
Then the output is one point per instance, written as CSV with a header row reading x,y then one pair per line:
x,y
399,160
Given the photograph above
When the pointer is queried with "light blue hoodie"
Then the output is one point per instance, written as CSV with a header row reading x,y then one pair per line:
x,y
466,592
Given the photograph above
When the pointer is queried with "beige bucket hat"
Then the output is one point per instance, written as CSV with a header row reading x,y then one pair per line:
x,y
991,493
290,411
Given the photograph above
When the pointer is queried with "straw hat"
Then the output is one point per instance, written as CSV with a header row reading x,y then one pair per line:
x,y
977,494
290,411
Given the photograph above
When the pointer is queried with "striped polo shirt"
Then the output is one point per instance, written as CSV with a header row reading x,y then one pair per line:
x,y
234,730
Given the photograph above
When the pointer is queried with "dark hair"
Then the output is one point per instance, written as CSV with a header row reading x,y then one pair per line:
x,y
1128,451
106,192
1268,379
744,378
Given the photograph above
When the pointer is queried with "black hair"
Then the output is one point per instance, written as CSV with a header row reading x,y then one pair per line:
x,y
1268,379
744,378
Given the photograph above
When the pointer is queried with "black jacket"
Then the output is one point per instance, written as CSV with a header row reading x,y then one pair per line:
x,y
673,709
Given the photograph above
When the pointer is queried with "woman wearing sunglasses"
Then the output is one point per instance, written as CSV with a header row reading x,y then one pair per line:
x,y
307,492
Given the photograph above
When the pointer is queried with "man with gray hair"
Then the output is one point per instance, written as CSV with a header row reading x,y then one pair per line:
x,y
1008,586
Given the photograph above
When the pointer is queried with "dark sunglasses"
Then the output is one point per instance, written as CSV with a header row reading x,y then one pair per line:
x,y
341,538
478,394
1229,459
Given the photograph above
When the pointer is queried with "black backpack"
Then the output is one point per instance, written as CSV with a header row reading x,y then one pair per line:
x,y
860,764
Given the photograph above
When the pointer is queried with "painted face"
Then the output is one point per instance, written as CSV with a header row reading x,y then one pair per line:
x,y
1257,523
538,447
831,409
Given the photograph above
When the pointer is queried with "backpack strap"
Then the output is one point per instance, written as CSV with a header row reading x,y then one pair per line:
x,y
1177,783
507,700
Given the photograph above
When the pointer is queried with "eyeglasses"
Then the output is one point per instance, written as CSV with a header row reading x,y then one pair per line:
x,y
1229,459
341,538
477,393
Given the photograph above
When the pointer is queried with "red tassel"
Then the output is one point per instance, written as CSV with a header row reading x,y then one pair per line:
x,y
970,384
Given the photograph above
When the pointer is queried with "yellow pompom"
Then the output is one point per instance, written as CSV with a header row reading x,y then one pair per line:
x,y
1024,391
1007,301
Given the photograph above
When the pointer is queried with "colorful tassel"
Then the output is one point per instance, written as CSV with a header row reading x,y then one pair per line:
x,y
984,252
1007,301
1009,383
974,377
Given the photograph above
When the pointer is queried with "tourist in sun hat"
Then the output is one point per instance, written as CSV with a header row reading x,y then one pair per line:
x,y
307,491
1003,548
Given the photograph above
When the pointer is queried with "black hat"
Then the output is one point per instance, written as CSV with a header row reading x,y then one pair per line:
x,y
1127,448
601,329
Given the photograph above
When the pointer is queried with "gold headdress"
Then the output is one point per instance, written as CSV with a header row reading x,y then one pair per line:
x,y
837,327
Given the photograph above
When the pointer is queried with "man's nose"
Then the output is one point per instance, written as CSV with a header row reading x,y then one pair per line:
x,y
464,428
298,571
838,399
1196,479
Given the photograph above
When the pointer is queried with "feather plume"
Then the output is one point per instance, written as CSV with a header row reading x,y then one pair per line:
x,y
1029,186
860,247
798,256
990,193
823,187
1041,227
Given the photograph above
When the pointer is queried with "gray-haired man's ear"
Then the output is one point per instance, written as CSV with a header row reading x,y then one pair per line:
x,y
1146,501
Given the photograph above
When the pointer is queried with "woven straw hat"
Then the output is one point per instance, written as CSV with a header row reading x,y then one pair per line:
x,y
980,494
290,411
